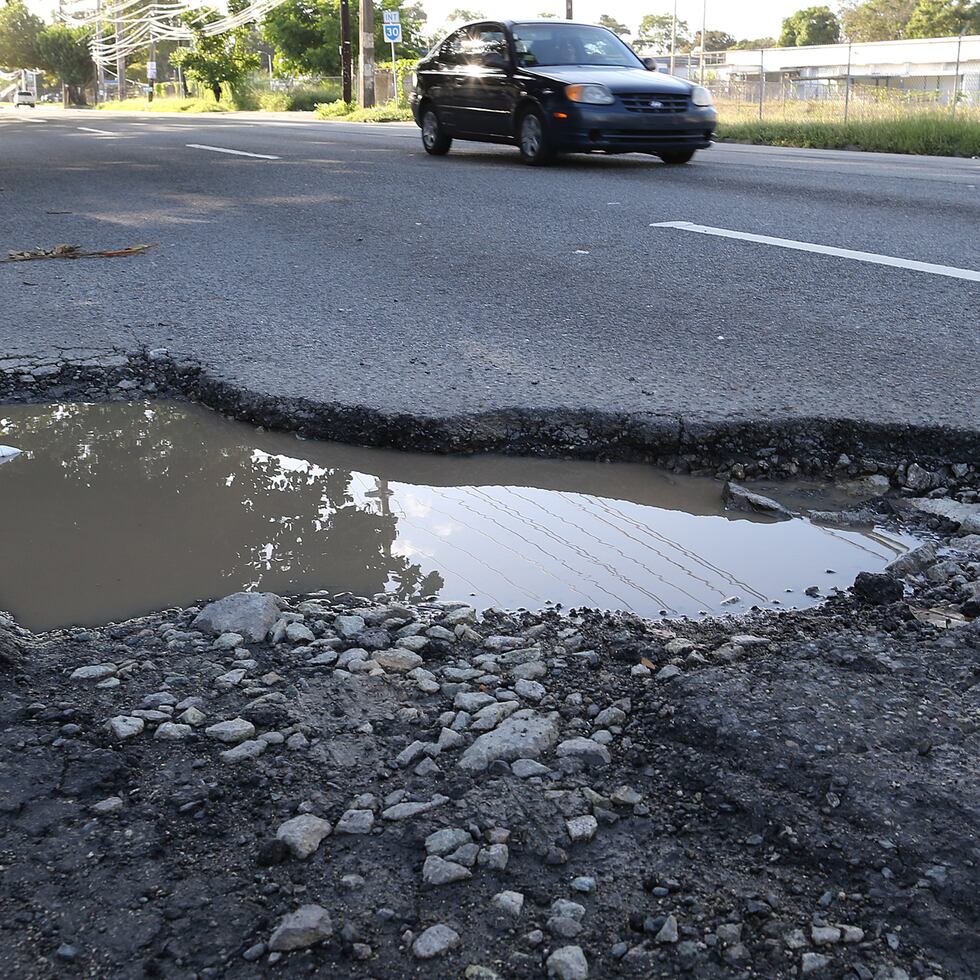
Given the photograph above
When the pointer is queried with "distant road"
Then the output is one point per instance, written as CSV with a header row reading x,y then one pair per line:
x,y
339,262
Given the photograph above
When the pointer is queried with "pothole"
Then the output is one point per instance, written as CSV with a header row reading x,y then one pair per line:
x,y
114,510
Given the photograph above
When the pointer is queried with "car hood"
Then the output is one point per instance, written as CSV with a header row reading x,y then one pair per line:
x,y
618,79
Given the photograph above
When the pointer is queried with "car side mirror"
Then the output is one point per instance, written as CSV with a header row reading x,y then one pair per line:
x,y
650,64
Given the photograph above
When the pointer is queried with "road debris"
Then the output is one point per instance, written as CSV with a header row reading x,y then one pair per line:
x,y
74,252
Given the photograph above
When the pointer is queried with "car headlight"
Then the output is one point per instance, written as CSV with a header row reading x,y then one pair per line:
x,y
590,94
701,96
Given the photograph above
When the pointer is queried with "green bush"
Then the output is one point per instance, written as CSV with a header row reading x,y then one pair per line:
x,y
927,133
334,110
243,98
305,98
349,112
274,101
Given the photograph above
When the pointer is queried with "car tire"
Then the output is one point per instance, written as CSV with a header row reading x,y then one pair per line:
x,y
533,140
434,139
676,157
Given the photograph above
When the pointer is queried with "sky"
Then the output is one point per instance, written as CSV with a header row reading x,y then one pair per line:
x,y
740,18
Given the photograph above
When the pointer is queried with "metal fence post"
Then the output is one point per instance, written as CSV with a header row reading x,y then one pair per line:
x,y
762,79
956,75
847,85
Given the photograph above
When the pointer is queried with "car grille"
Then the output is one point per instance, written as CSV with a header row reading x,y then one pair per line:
x,y
648,136
641,102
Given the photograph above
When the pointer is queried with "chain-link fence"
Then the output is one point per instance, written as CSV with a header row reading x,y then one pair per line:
x,y
871,82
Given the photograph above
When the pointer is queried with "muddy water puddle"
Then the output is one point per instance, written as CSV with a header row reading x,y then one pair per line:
x,y
115,510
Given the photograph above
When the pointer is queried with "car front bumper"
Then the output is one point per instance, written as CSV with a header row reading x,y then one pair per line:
x,y
617,130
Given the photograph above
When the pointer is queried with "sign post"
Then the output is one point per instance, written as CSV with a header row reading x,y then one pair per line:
x,y
393,35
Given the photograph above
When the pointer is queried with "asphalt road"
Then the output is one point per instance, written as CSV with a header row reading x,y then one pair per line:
x,y
353,268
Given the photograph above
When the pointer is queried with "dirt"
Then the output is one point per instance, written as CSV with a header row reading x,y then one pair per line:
x,y
789,775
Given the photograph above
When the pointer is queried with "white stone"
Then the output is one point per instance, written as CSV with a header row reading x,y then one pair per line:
x,y
244,752
568,963
582,829
303,834
252,614
399,661
309,924
355,822
510,903
524,735
298,633
94,672
126,726
437,940
231,732
439,871
172,732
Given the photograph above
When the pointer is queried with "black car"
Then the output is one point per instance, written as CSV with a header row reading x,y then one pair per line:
x,y
553,86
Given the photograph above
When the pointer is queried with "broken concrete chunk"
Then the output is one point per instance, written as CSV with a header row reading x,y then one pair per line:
x,y
252,614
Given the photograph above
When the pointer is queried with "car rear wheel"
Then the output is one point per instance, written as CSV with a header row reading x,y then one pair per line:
x,y
434,138
676,156
532,139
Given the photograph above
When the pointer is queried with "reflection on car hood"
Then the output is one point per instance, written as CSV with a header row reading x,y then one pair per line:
x,y
618,79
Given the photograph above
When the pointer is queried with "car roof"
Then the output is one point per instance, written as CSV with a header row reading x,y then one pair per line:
x,y
542,21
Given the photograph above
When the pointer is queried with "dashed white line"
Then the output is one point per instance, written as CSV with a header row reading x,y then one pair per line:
x,y
239,153
98,132
843,253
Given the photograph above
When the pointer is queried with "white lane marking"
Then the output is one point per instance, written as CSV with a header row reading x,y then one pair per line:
x,y
843,253
239,153
98,132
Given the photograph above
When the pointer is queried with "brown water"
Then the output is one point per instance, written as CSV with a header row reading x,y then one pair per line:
x,y
116,510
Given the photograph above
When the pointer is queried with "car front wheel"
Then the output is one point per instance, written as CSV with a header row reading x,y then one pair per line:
x,y
532,139
676,156
435,141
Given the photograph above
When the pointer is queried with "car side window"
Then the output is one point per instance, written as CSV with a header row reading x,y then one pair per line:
x,y
452,51
487,39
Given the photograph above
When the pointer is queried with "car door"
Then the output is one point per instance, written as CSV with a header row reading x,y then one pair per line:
x,y
485,105
443,78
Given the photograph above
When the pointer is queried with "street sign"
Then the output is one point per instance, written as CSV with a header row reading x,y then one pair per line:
x,y
393,33
151,69
392,16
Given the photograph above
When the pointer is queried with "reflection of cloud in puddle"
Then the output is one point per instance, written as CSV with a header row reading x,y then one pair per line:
x,y
414,506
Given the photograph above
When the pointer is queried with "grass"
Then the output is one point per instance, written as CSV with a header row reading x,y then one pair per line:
x,y
169,105
924,133
349,112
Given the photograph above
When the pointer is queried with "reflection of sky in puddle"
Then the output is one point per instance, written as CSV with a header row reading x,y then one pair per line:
x,y
127,508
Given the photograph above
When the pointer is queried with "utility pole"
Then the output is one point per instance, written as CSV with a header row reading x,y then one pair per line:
x,y
345,51
956,77
120,61
673,39
704,37
151,68
367,54
569,15
99,67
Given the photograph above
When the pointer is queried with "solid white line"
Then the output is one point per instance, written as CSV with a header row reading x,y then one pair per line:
x,y
239,153
843,253
98,132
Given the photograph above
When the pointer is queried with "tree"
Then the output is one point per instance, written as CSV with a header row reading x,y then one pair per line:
x,y
19,29
657,31
218,59
64,52
610,23
876,20
943,18
306,34
717,41
814,25
755,44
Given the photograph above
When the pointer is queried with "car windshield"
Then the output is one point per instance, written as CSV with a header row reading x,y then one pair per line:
x,y
570,44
